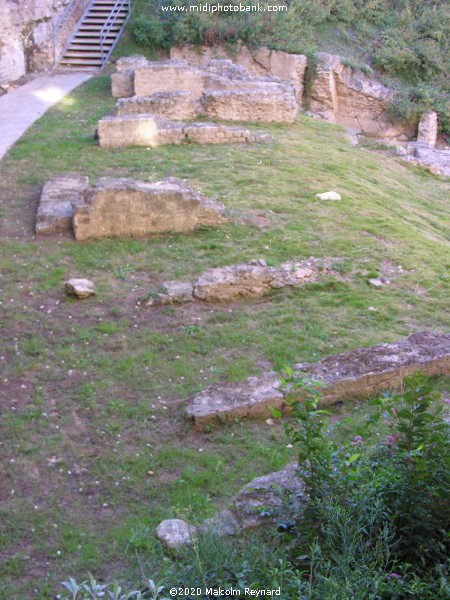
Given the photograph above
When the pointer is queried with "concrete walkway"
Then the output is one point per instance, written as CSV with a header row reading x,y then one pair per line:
x,y
21,107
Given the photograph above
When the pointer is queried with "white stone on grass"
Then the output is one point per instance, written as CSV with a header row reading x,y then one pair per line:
x,y
329,196
81,288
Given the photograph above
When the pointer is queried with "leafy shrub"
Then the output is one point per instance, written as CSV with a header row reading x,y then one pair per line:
x,y
378,518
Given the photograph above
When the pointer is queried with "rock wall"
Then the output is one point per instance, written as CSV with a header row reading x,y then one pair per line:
x,y
339,93
26,36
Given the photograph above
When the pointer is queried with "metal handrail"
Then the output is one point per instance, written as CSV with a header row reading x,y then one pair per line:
x,y
64,19
106,29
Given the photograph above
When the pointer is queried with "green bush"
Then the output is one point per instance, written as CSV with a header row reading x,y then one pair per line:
x,y
378,519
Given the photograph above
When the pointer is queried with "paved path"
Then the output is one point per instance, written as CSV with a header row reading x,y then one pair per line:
x,y
21,107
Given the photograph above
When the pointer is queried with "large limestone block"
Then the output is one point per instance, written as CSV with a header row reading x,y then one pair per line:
x,y
122,84
428,128
169,105
168,76
226,402
370,371
59,198
226,284
289,67
129,130
124,208
267,105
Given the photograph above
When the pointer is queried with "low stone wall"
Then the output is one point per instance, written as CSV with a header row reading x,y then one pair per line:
x,y
364,372
123,207
152,131
267,104
228,284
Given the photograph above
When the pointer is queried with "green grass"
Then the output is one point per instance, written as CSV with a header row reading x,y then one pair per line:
x,y
99,387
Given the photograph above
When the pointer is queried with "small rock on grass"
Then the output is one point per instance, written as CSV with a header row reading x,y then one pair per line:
x,y
80,288
175,533
329,196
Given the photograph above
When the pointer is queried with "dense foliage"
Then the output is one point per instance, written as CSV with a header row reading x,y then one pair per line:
x,y
403,39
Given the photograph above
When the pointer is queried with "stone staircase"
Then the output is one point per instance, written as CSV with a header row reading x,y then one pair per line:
x,y
96,33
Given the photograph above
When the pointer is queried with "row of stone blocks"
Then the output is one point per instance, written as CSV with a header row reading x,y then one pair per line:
x,y
123,208
364,372
152,131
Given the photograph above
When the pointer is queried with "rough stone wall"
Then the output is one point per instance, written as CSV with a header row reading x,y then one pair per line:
x,y
26,36
263,62
350,98
152,131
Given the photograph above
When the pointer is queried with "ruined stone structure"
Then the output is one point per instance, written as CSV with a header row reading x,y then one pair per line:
x,y
227,284
339,93
220,90
346,96
152,131
123,207
363,372
26,36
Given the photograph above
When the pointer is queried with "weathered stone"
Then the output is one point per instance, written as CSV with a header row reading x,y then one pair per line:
x,y
363,372
81,288
122,84
263,61
379,282
423,154
135,61
170,105
328,196
172,292
428,129
343,95
268,104
175,533
124,208
58,199
263,501
370,371
226,284
152,131
168,76
129,130
226,402
213,133
25,35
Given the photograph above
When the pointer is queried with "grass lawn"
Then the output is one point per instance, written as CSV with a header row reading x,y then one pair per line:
x,y
93,392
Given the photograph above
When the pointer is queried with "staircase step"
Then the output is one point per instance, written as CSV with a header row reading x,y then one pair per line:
x,y
95,62
82,47
77,54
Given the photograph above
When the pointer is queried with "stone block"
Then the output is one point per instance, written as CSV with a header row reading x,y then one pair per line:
x,y
59,197
428,129
122,84
129,208
168,76
169,105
